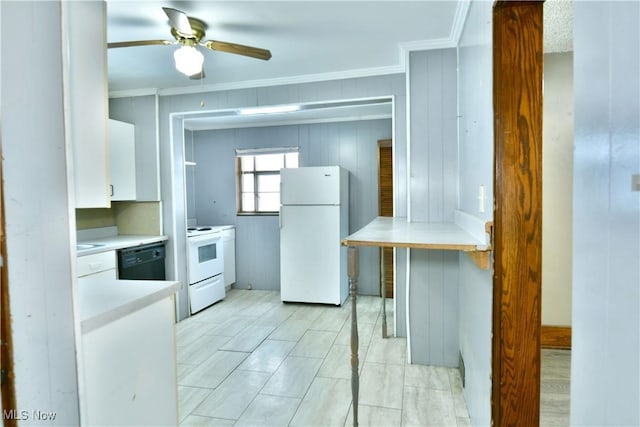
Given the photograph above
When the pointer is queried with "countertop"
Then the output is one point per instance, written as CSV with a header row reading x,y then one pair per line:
x,y
398,232
102,301
120,241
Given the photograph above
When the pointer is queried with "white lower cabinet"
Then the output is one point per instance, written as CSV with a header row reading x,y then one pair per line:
x,y
129,370
127,367
229,242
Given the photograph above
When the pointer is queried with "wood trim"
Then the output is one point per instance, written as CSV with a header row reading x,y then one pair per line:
x,y
385,143
407,245
555,337
385,207
481,258
6,347
517,291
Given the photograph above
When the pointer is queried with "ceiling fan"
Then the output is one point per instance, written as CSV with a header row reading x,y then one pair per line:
x,y
188,32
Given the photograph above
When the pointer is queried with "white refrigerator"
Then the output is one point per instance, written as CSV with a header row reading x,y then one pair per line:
x,y
314,217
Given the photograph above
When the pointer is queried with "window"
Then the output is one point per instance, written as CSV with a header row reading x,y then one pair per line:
x,y
259,178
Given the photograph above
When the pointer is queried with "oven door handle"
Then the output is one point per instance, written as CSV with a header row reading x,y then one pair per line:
x,y
211,237
206,283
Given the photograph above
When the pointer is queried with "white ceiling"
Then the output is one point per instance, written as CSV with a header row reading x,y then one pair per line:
x,y
558,26
306,38
309,40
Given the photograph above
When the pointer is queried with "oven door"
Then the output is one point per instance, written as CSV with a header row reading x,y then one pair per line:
x,y
205,257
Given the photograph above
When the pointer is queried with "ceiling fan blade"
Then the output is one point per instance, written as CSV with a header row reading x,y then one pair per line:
x,y
138,43
179,21
238,49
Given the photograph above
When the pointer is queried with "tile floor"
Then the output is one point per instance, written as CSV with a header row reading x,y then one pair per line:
x,y
555,376
251,360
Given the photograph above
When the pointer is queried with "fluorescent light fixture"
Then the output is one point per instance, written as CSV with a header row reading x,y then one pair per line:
x,y
189,60
269,109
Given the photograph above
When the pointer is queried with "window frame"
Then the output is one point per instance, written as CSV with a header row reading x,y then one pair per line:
x,y
256,176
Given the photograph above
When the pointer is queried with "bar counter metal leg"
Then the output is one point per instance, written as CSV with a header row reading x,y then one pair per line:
x,y
383,280
352,270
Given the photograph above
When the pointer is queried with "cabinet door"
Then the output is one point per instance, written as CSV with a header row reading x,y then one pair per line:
x,y
85,89
95,263
122,148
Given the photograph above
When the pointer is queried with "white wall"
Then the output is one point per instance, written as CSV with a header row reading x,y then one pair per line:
x,y
476,168
605,366
557,188
37,214
433,188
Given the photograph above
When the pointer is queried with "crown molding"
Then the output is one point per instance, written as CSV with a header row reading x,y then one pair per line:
x,y
459,20
281,81
133,93
432,44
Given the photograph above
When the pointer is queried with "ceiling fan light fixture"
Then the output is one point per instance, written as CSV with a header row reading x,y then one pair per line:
x,y
189,60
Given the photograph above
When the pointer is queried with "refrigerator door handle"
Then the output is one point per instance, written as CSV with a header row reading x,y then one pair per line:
x,y
280,217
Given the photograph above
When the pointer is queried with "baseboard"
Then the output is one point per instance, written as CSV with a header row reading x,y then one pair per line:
x,y
555,337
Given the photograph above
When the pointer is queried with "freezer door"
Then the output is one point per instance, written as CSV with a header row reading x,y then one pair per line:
x,y
310,186
310,254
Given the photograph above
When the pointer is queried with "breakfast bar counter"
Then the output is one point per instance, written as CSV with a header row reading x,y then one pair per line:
x,y
468,234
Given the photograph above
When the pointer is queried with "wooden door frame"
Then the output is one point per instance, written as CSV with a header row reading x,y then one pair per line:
x,y
517,102
6,339
385,143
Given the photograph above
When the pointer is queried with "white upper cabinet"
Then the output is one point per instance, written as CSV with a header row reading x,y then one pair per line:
x,y
122,148
86,100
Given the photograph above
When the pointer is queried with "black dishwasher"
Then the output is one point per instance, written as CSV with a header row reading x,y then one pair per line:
x,y
145,262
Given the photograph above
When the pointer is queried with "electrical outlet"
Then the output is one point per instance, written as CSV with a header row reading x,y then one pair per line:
x,y
635,182
481,199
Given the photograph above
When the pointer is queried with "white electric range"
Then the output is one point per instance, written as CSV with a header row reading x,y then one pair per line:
x,y
205,267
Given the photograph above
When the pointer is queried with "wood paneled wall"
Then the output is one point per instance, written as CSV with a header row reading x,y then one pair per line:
x,y
476,169
433,295
605,365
